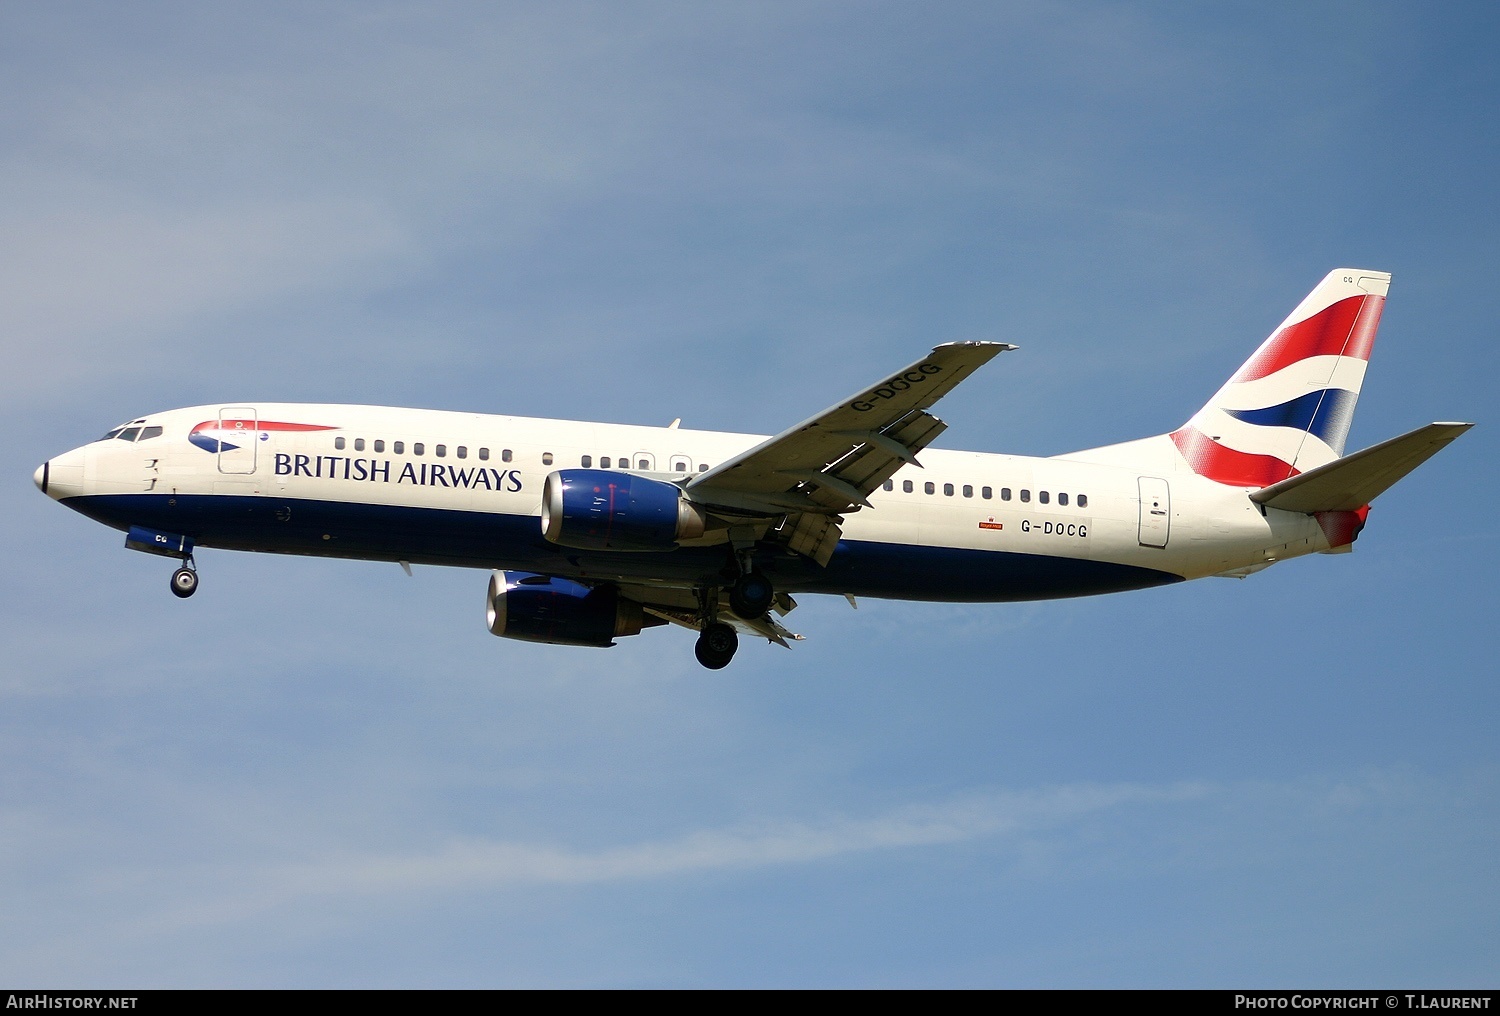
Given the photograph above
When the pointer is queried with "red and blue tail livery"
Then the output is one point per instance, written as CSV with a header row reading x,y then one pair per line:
x,y
1288,409
594,532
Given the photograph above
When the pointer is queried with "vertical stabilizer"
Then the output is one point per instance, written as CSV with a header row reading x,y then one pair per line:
x,y
1288,409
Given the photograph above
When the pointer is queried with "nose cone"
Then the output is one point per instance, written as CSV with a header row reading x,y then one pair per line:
x,y
61,476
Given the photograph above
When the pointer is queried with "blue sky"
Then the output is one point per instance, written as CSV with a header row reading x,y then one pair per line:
x,y
322,773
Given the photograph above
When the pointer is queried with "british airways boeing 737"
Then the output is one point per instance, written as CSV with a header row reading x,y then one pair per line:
x,y
595,531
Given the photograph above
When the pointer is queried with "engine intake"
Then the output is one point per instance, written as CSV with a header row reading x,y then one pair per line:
x,y
545,608
601,509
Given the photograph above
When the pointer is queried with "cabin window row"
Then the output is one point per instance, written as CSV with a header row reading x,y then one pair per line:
x,y
418,448
679,465
988,493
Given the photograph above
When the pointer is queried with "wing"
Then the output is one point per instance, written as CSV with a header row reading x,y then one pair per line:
x,y
828,465
682,606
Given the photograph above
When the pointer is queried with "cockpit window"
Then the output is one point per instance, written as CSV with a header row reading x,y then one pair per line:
x,y
129,434
147,433
112,434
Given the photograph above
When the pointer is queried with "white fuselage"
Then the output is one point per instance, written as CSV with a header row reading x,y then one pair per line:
x,y
378,482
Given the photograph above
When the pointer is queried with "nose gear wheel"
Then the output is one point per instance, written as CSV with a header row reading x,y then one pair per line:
x,y
184,582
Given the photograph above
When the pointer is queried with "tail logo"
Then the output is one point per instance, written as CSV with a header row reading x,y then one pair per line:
x,y
1289,407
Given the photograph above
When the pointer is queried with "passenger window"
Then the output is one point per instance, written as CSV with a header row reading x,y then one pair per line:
x,y
359,444
986,493
484,455
604,462
679,466
417,448
906,486
703,467
1062,499
546,458
399,447
586,462
968,490
930,487
463,451
1083,500
149,432
643,464
1025,496
338,443
1043,496
379,445
505,455
1005,493
441,451
129,434
948,489
888,485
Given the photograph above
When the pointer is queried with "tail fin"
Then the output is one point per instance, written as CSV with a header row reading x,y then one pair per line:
x,y
1288,409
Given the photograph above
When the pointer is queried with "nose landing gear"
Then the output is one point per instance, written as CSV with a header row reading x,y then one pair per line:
x,y
154,541
185,579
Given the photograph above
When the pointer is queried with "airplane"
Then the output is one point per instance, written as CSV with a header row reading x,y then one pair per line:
x,y
596,531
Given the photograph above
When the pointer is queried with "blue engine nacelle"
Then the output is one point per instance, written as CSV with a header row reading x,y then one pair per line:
x,y
544,608
601,509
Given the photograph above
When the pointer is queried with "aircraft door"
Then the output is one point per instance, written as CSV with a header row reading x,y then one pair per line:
x,y
1156,511
238,436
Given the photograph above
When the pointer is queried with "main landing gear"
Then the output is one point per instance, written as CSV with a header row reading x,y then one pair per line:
x,y
185,579
751,595
717,641
716,645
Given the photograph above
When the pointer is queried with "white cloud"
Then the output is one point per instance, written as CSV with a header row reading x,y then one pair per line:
x,y
212,896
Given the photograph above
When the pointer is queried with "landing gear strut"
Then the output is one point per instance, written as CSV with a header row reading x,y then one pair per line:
x,y
716,645
185,580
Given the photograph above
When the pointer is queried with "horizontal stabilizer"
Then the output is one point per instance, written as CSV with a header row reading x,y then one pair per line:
x,y
1353,481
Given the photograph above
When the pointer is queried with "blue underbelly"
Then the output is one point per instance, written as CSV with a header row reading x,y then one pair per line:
x,y
489,540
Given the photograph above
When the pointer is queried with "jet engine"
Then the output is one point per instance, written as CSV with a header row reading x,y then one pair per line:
x,y
601,509
544,608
